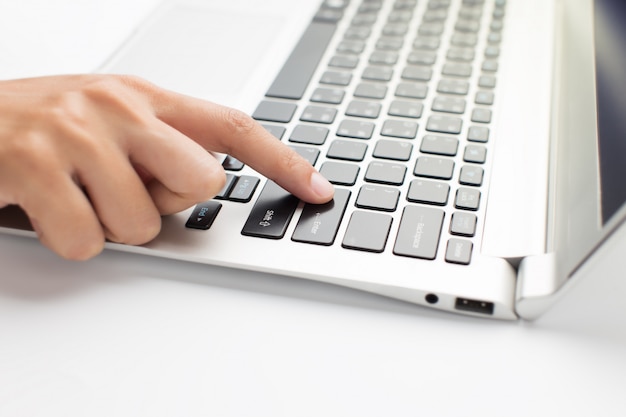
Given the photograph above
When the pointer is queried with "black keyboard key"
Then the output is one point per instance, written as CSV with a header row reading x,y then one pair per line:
x,y
411,90
428,192
399,129
467,199
274,111
463,224
296,74
271,213
385,173
471,175
377,197
312,135
319,223
344,61
417,73
405,108
328,95
340,173
347,150
232,164
360,108
203,215
478,134
444,124
393,149
377,73
244,188
367,231
318,114
420,229
336,78
369,90
459,251
475,153
355,129
439,145
452,86
430,167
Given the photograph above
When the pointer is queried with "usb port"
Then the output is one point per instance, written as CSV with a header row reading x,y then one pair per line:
x,y
474,306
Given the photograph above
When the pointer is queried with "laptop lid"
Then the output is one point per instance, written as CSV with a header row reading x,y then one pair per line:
x,y
589,140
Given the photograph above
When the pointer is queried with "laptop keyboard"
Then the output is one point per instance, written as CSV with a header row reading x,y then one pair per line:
x,y
392,102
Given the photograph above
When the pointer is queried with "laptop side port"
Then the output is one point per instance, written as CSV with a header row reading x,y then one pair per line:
x,y
474,306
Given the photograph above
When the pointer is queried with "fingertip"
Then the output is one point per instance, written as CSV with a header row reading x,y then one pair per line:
x,y
322,188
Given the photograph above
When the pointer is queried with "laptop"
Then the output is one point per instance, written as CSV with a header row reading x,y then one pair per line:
x,y
474,144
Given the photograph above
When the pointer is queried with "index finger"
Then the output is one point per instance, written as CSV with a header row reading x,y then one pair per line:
x,y
226,130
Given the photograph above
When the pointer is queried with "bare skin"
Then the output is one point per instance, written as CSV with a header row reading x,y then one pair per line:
x,y
96,157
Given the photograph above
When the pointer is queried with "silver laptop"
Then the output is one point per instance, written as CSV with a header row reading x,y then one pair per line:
x,y
474,144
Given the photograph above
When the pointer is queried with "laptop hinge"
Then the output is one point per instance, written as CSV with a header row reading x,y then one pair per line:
x,y
537,284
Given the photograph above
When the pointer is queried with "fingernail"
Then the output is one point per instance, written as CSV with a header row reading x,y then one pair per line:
x,y
321,186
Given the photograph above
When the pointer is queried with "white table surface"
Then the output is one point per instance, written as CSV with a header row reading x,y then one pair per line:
x,y
128,335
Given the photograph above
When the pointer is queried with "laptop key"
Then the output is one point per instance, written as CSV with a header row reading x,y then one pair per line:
x,y
318,114
419,232
232,164
328,95
430,167
471,175
203,215
459,251
411,90
348,150
312,135
463,223
399,129
336,78
367,231
444,124
385,173
244,189
367,109
417,73
293,79
377,197
405,108
274,111
475,153
428,192
271,213
355,129
319,223
340,173
467,199
439,145
393,149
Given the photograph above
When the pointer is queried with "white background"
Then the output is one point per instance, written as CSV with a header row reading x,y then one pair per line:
x,y
126,335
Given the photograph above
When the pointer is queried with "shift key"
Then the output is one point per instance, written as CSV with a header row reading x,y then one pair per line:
x,y
319,223
271,213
